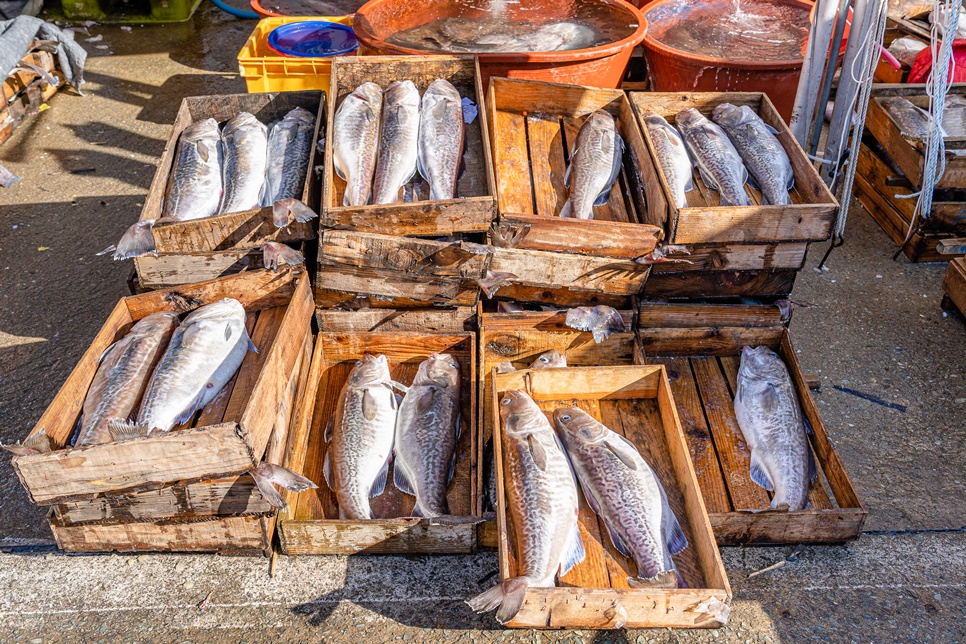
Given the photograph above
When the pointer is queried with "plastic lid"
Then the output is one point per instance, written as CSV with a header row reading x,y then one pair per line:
x,y
312,39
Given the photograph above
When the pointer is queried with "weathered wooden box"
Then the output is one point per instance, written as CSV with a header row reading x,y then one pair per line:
x,y
954,284
534,127
475,207
385,271
634,401
227,438
700,346
311,524
438,320
884,192
203,249
908,156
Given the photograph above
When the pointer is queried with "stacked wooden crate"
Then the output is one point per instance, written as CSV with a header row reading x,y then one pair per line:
x,y
890,171
186,490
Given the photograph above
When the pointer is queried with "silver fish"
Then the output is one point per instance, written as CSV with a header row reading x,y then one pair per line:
x,y
760,149
771,421
427,431
621,487
542,502
360,436
552,359
595,162
715,156
914,122
954,115
204,353
398,141
123,375
195,185
289,146
245,141
356,142
441,137
601,320
672,155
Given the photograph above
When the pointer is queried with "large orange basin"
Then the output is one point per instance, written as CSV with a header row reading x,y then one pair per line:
x,y
594,67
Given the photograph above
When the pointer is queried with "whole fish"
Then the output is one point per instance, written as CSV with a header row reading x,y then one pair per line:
x,y
359,438
289,146
771,421
552,359
195,185
356,142
245,141
595,162
123,375
622,488
672,155
441,138
204,353
763,154
427,431
715,156
542,502
913,121
398,141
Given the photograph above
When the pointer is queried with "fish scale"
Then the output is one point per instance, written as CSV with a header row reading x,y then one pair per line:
x,y
398,141
195,187
595,162
717,159
760,150
245,141
355,144
441,138
672,155
289,147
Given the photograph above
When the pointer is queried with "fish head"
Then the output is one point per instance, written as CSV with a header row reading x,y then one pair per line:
x,y
655,120
727,115
164,321
300,115
241,122
550,360
442,89
440,368
576,427
402,92
225,308
516,403
600,119
370,370
690,118
369,93
761,364
201,130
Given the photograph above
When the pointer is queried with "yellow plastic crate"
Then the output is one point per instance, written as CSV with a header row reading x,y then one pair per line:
x,y
266,71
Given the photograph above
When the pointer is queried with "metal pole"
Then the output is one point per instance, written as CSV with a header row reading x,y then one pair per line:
x,y
829,76
818,43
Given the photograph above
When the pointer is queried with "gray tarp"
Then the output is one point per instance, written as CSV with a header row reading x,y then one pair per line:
x,y
15,37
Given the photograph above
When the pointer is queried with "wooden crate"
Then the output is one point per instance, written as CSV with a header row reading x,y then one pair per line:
x,y
908,156
390,272
203,249
228,437
705,221
440,320
311,525
954,284
475,207
534,126
720,285
634,401
881,190
700,346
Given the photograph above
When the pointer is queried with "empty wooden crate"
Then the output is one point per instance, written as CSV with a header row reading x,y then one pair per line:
x,y
228,437
636,402
204,249
311,524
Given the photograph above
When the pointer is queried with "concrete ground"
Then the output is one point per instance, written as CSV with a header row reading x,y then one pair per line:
x,y
869,324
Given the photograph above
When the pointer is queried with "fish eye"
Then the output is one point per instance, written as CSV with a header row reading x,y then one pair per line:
x,y
359,363
565,417
506,401
544,359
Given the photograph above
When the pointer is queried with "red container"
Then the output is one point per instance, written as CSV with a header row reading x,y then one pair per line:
x,y
594,67
673,70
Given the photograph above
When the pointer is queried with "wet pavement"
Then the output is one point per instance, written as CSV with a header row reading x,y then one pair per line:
x,y
868,324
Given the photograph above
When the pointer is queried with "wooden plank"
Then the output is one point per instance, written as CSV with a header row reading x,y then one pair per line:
x,y
563,270
737,257
441,320
411,256
511,156
810,526
721,284
247,229
954,284
705,341
547,164
619,240
954,246
653,314
165,271
428,218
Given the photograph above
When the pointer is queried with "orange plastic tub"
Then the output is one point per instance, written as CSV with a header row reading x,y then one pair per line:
x,y
601,66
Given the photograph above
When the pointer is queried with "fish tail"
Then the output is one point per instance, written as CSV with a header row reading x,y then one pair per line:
x,y
267,476
136,241
567,212
122,430
666,579
506,597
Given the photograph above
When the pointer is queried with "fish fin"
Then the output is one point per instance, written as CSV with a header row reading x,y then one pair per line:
x,y
417,511
203,151
808,427
136,241
459,427
812,471
670,527
574,553
706,177
370,406
538,452
505,367
275,254
790,184
770,400
753,182
770,128
567,212
589,496
506,597
39,443
690,184
300,211
399,386
327,468
615,539
379,485
666,579
227,332
327,435
122,430
759,474
401,480
106,351
624,450
452,469
603,197
569,172
283,476
493,281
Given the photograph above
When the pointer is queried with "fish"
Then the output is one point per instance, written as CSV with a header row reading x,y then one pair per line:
x,y
427,432
762,152
123,376
359,438
771,421
356,142
623,489
954,115
285,210
245,141
204,353
289,146
601,320
275,254
595,162
267,476
398,141
505,367
476,35
492,282
672,155
716,158
541,496
441,139
195,184
913,122
552,359
37,443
